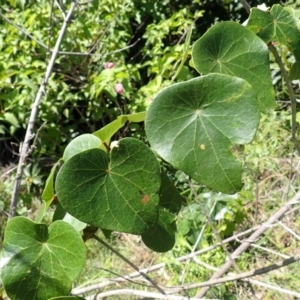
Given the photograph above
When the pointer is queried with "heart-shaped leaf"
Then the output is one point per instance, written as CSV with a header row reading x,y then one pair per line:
x,y
280,24
81,143
38,262
230,48
193,124
114,191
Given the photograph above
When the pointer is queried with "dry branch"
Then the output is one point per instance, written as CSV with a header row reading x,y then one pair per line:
x,y
245,245
29,132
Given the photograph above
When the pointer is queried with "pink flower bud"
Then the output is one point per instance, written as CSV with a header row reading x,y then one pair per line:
x,y
119,88
109,65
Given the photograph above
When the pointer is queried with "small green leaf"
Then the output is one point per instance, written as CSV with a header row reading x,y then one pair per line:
x,y
106,133
38,262
241,54
48,192
137,117
59,213
81,143
169,195
199,121
114,191
162,237
41,212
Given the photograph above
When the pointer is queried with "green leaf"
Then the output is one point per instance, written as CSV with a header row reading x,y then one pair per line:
x,y
137,117
241,54
59,213
116,191
38,262
162,237
286,30
78,225
48,192
10,118
106,133
41,212
169,195
81,143
280,24
262,24
295,71
199,121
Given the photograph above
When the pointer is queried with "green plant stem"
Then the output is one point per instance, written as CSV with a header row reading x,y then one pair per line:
x,y
291,93
130,263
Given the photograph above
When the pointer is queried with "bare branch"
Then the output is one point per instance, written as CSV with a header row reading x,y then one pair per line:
x,y
29,132
81,290
245,245
139,294
131,264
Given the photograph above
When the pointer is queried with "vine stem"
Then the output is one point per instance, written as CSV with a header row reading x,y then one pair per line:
x,y
131,264
245,245
291,93
29,131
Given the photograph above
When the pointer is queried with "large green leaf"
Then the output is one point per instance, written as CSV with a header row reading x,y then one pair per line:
x,y
193,125
280,24
230,48
114,191
81,143
40,262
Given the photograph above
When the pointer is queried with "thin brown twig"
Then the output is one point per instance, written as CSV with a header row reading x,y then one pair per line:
x,y
81,290
130,263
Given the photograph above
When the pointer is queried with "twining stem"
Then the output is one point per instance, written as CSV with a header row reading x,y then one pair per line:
x,y
291,93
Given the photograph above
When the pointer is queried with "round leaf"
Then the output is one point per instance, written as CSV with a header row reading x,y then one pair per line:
x,y
81,143
241,54
38,262
193,124
117,191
